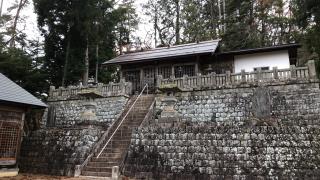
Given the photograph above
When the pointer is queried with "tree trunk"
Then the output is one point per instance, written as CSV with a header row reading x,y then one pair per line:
x,y
177,22
86,64
97,63
1,5
15,22
155,26
66,64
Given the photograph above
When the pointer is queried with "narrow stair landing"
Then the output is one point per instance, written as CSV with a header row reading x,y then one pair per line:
x,y
117,148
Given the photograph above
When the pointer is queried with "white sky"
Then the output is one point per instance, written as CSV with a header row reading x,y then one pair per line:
x,y
31,29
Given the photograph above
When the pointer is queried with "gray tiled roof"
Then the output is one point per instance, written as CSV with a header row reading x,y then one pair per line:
x,y
11,92
167,52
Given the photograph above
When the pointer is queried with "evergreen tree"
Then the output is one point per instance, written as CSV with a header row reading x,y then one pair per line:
x,y
74,30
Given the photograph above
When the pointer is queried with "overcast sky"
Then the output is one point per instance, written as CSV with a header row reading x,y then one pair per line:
x,y
31,29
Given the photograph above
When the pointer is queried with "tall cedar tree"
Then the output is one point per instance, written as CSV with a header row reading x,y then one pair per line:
x,y
73,27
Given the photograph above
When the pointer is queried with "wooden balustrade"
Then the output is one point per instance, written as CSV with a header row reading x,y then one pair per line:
x,y
229,79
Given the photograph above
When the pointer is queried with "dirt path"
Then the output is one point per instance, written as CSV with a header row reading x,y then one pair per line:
x,y
45,177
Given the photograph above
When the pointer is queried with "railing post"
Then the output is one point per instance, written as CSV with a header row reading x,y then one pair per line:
x,y
259,75
312,69
213,79
122,86
51,91
228,78
293,72
275,73
184,81
243,76
199,83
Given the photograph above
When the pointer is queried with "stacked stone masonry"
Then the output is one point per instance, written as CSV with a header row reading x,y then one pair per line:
x,y
58,147
67,113
225,152
56,151
297,104
258,132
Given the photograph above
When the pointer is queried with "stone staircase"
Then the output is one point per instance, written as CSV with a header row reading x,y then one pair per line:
x,y
116,150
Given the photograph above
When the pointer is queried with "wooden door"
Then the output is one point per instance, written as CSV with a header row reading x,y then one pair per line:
x,y
149,77
10,136
134,78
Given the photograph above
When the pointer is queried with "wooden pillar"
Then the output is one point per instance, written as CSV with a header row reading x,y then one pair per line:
x,y
172,71
197,71
121,73
141,78
156,74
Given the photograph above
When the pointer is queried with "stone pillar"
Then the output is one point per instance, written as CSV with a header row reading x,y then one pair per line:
x,y
52,88
77,171
293,72
122,86
228,76
115,173
159,79
199,82
169,116
259,75
213,79
184,81
312,69
89,114
275,73
243,76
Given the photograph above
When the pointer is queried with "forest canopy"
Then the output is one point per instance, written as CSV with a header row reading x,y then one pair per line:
x,y
81,34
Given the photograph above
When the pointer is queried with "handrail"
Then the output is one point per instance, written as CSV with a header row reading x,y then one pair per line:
x,y
115,131
150,110
97,145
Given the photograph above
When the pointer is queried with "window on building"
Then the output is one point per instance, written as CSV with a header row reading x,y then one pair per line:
x,y
164,71
262,68
180,71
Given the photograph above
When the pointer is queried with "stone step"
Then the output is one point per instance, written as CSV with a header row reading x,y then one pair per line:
x,y
104,164
113,150
99,169
97,174
118,146
124,136
104,157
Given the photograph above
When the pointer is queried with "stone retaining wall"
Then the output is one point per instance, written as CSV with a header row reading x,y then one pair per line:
x,y
225,152
297,104
56,151
67,113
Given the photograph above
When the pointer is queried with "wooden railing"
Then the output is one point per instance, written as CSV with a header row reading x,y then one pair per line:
x,y
232,79
104,90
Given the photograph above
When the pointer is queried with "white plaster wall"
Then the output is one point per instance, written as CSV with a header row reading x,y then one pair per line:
x,y
248,62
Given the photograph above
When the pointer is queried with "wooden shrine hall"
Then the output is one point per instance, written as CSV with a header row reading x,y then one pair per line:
x,y
194,59
15,103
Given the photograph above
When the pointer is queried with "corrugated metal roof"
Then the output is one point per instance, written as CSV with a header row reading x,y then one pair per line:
x,y
167,52
11,92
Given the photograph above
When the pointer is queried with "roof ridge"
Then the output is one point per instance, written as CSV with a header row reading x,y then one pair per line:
x,y
172,47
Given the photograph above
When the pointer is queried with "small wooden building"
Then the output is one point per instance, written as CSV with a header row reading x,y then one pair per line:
x,y
145,67
15,102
